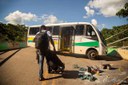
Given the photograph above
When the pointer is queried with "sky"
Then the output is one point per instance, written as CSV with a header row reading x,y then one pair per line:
x,y
101,13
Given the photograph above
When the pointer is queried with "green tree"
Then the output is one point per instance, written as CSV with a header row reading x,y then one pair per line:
x,y
3,32
116,33
106,32
123,12
10,32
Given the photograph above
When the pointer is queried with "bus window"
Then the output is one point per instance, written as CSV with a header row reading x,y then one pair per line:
x,y
56,30
33,30
50,29
90,31
79,30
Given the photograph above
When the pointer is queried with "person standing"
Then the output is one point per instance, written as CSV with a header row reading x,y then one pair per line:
x,y
43,48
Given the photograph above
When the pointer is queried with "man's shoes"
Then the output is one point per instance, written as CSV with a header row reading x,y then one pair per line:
x,y
41,79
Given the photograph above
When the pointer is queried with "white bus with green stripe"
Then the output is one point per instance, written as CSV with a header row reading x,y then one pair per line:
x,y
76,37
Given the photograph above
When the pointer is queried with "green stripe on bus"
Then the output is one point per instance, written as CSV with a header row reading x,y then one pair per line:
x,y
30,40
88,44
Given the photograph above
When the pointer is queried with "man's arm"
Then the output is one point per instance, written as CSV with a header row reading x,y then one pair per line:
x,y
35,37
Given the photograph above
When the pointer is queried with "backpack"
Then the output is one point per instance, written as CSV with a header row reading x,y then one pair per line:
x,y
41,40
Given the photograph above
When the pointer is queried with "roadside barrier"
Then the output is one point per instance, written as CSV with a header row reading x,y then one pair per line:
x,y
118,52
12,45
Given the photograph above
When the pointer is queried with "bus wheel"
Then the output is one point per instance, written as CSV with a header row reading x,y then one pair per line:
x,y
92,54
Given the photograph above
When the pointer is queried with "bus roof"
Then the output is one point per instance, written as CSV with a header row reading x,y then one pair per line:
x,y
62,24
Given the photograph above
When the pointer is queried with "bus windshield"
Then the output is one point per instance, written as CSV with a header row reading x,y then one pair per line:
x,y
102,38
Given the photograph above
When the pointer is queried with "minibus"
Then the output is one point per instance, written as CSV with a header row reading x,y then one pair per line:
x,y
74,37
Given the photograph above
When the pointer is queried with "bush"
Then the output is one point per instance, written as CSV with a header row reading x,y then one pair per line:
x,y
9,32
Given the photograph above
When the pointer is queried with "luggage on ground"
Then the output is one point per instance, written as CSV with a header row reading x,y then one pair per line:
x,y
54,63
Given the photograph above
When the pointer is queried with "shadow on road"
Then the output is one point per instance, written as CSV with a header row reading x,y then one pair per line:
x,y
6,59
67,74
56,77
110,58
70,74
73,55
3,52
107,57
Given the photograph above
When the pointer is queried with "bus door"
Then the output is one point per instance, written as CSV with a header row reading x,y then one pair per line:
x,y
67,38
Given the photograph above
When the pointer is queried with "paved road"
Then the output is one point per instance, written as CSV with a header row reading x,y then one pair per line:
x,y
19,67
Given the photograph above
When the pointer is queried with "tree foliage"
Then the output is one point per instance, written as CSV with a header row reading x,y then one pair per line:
x,y
10,32
116,33
123,12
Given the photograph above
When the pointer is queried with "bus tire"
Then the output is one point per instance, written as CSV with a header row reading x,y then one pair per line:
x,y
92,54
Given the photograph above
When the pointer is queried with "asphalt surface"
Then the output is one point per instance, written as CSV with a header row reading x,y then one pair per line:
x,y
19,67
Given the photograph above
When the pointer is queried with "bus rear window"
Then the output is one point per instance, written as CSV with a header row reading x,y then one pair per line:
x,y
33,30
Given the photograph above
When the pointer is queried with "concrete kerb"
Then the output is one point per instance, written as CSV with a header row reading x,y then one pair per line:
x,y
123,53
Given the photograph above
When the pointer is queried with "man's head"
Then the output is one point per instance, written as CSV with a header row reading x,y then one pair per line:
x,y
43,27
